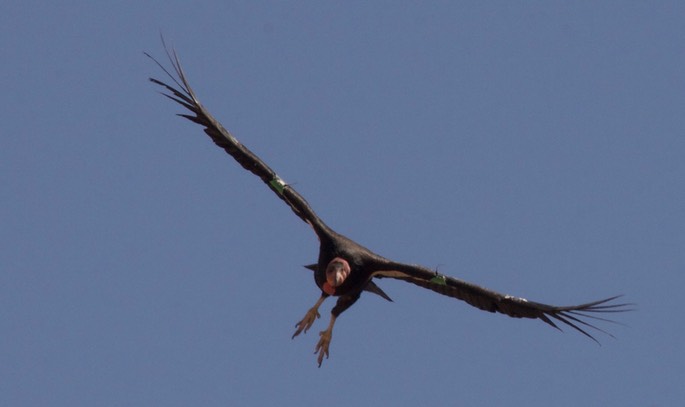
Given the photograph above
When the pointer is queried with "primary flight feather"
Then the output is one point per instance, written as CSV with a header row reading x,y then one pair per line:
x,y
345,268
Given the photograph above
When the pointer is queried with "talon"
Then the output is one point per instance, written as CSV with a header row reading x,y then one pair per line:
x,y
307,321
322,346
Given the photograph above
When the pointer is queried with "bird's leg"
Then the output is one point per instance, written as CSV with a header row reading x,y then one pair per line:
x,y
309,317
344,302
324,341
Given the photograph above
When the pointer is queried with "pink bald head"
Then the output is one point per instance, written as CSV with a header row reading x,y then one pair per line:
x,y
337,271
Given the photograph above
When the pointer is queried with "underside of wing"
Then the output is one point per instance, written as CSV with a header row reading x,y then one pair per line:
x,y
575,316
184,95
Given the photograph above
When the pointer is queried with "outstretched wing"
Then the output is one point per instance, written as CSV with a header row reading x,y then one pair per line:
x,y
184,95
492,301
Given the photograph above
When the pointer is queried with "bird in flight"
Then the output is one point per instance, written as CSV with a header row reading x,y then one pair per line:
x,y
345,268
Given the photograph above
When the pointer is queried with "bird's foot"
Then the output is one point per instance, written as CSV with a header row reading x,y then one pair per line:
x,y
307,321
324,343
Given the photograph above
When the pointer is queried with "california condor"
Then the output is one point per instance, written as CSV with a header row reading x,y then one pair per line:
x,y
345,268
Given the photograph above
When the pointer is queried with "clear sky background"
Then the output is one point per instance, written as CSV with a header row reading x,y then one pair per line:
x,y
536,148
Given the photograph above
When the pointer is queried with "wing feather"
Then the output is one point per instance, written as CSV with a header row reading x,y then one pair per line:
x,y
485,299
184,95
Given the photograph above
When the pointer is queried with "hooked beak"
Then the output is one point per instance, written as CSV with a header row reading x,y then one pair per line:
x,y
337,271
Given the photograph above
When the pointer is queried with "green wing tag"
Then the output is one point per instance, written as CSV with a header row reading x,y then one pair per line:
x,y
277,184
438,279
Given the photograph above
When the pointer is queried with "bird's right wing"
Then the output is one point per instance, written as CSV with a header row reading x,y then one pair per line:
x,y
184,95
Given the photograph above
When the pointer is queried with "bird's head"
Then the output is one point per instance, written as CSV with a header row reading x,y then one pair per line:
x,y
336,272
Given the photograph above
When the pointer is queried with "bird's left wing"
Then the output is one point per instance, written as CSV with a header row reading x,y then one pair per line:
x,y
184,95
574,316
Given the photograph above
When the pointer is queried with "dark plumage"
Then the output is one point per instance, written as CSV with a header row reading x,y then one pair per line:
x,y
345,268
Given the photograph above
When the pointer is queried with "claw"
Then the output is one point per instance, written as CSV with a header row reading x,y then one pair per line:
x,y
322,346
307,321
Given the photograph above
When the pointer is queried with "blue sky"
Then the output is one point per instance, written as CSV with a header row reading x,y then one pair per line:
x,y
535,148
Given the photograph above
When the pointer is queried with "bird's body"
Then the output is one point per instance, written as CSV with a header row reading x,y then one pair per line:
x,y
345,268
